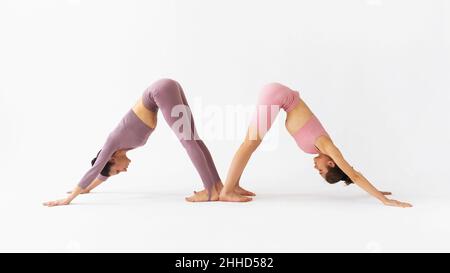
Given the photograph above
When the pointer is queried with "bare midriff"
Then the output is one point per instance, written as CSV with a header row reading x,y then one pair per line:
x,y
298,117
147,116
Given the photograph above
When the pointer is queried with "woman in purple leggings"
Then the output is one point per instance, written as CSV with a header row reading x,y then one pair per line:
x,y
134,130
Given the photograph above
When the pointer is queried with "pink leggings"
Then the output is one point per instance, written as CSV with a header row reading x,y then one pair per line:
x,y
273,97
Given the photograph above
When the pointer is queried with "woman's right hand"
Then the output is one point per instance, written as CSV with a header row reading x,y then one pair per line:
x,y
61,202
395,203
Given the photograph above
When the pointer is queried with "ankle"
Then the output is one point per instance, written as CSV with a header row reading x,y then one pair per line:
x,y
213,191
226,191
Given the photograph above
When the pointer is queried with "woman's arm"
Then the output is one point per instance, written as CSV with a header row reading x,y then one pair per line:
x,y
92,186
332,151
66,201
73,194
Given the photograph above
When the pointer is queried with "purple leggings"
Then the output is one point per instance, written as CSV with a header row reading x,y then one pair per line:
x,y
168,96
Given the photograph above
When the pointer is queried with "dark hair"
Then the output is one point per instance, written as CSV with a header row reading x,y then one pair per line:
x,y
106,169
335,174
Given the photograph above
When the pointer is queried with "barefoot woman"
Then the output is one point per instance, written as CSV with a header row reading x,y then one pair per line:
x,y
310,136
134,130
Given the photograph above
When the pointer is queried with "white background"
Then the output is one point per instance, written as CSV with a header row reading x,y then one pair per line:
x,y
376,72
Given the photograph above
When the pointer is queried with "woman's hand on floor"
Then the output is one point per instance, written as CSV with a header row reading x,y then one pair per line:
x,y
61,202
395,203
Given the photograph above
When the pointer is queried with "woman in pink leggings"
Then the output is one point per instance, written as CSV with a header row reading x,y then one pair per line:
x,y
134,130
310,136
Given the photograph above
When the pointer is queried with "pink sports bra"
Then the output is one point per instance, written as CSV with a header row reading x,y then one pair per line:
x,y
307,135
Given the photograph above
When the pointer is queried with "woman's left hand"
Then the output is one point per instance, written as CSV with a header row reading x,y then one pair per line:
x,y
395,203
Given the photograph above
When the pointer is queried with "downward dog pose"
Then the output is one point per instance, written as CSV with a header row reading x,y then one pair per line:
x,y
134,130
310,136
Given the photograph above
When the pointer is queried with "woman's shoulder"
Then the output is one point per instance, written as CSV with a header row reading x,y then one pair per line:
x,y
324,142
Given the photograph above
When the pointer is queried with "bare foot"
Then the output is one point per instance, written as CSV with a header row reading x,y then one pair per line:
x,y
243,192
202,196
83,192
233,197
219,186
61,202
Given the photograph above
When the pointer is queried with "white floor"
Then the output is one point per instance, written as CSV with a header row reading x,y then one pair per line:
x,y
118,218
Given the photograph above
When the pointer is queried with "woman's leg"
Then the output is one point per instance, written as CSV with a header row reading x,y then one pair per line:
x,y
237,167
269,103
209,159
171,101
219,186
